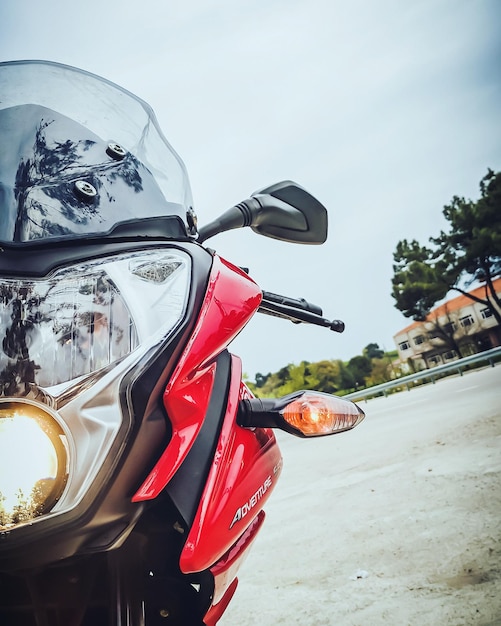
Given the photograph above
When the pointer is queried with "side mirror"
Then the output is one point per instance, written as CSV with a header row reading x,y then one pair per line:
x,y
283,211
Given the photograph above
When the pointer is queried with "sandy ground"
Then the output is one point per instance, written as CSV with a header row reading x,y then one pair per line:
x,y
397,522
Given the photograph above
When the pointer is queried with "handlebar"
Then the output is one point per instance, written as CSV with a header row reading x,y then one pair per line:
x,y
298,311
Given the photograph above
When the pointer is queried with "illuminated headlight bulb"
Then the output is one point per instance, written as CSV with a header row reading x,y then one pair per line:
x,y
33,462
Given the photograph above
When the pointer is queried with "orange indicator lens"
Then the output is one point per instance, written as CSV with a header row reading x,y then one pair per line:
x,y
315,413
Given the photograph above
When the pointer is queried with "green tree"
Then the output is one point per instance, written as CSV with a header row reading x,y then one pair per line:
x,y
468,251
346,378
373,351
261,379
360,368
297,378
381,371
325,374
417,280
284,374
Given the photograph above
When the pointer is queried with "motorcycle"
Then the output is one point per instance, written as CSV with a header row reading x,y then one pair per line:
x,y
135,463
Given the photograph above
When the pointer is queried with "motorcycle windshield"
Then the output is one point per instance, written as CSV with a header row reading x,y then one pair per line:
x,y
82,157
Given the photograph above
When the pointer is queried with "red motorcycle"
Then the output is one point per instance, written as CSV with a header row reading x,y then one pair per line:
x,y
134,461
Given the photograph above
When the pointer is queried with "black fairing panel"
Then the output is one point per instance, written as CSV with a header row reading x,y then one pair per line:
x,y
195,468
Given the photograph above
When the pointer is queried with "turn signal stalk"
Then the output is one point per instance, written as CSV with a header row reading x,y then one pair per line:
x,y
303,413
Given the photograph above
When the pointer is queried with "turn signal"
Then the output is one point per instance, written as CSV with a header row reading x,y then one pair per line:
x,y
304,413
321,414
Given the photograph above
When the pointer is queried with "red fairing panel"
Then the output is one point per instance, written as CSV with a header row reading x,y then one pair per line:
x,y
225,570
230,301
246,466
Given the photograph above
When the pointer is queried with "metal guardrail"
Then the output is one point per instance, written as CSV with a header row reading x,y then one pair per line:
x,y
429,374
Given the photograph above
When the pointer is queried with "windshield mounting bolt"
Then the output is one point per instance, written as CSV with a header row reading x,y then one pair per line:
x,y
85,190
115,151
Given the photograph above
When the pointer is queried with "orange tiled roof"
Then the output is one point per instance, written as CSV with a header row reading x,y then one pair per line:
x,y
454,304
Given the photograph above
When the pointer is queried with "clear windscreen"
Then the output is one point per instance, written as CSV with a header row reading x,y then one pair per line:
x,y
57,124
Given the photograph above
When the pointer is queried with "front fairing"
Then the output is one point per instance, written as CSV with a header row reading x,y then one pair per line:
x,y
83,158
110,412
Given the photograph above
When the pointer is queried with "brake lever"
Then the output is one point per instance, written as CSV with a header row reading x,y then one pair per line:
x,y
298,311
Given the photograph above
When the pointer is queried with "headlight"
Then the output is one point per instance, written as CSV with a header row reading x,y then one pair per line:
x,y
66,343
33,462
86,317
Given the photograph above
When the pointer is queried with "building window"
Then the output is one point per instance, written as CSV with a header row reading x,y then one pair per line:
x,y
486,313
449,355
419,340
404,345
466,321
450,327
468,349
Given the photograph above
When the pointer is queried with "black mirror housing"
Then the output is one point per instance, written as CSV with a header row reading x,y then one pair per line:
x,y
304,220
283,211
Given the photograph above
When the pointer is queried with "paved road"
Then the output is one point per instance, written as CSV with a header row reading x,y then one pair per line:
x,y
396,522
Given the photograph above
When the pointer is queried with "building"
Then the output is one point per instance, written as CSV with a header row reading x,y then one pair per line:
x,y
456,328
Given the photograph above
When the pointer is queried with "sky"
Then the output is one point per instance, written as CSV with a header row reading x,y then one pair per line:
x,y
382,109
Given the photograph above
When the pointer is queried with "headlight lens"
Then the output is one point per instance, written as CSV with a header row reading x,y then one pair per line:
x,y
33,462
85,317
